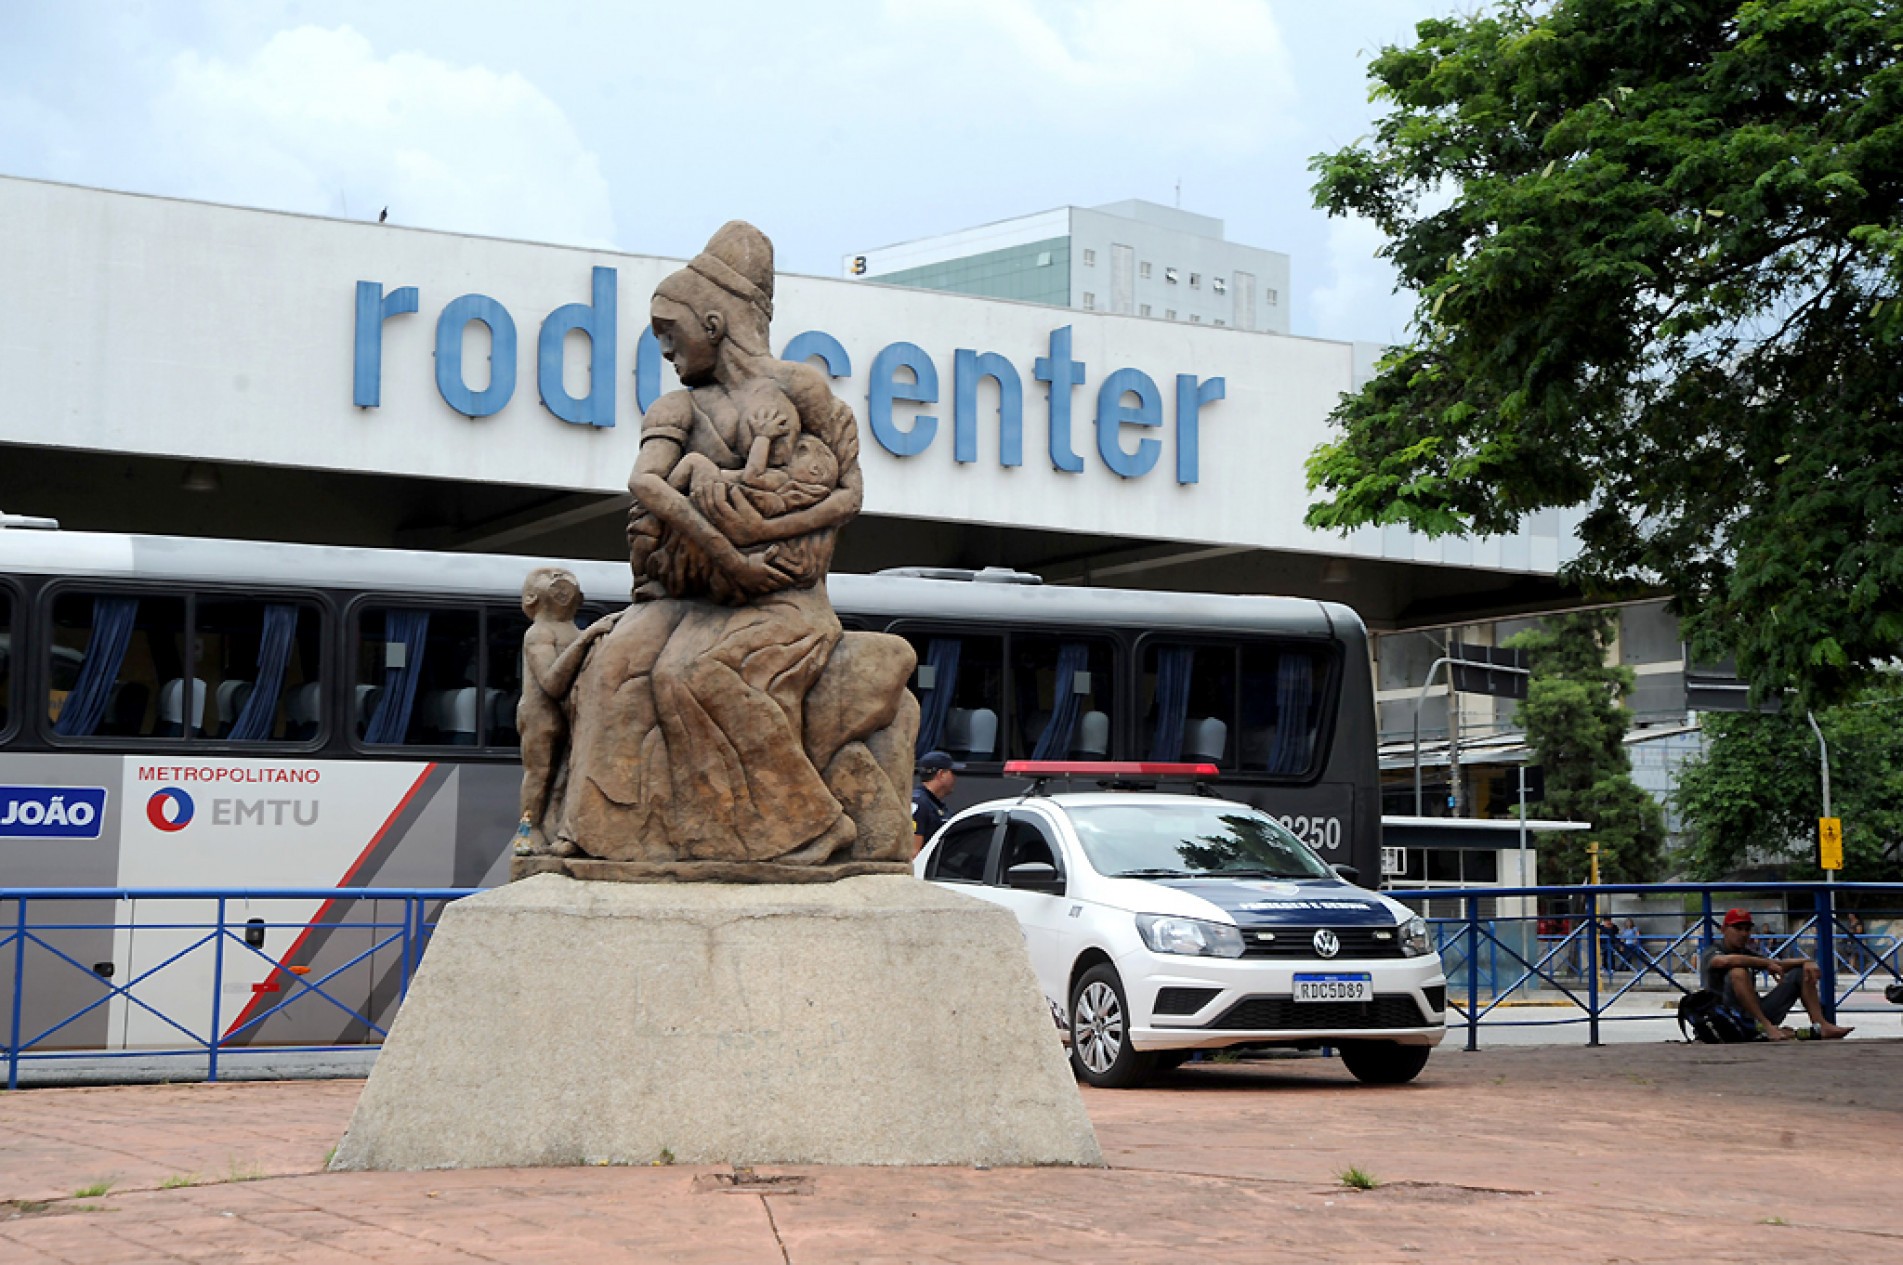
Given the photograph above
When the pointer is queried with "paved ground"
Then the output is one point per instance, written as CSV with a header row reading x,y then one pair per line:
x,y
1631,1153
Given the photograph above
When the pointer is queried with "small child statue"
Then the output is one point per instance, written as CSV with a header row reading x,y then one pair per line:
x,y
553,651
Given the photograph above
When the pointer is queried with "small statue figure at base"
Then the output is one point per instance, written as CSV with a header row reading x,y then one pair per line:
x,y
553,650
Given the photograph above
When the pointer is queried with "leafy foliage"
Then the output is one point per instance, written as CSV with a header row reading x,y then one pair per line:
x,y
1576,718
1756,795
1658,249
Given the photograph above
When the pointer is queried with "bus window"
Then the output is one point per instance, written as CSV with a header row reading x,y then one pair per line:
x,y
1191,694
1061,697
960,688
259,661
502,641
415,683
118,668
6,658
1282,708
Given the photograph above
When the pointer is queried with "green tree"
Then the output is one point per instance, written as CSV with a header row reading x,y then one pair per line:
x,y
1575,717
1755,796
1658,252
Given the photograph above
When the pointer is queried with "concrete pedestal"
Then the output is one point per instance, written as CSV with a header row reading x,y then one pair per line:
x,y
875,1020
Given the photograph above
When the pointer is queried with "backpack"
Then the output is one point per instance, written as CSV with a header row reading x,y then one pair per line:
x,y
1704,1017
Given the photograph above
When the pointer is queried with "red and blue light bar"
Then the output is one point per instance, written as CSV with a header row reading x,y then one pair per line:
x,y
1109,768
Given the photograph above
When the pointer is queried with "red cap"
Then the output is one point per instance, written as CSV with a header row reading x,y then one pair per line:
x,y
1738,918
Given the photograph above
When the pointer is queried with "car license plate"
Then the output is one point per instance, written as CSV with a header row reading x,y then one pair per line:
x,y
1334,988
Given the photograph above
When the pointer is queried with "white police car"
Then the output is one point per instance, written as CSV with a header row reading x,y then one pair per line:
x,y
1163,923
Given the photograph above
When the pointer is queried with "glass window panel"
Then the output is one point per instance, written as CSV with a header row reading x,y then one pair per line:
x,y
6,657
503,638
1283,703
1189,700
961,855
134,685
247,644
1066,681
960,688
415,682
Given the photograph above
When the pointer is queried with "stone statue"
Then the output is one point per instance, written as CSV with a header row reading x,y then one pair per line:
x,y
724,726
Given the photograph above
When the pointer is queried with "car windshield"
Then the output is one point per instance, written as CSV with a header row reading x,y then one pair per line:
x,y
1190,837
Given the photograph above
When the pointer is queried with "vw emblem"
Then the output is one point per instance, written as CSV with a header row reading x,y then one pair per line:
x,y
1327,944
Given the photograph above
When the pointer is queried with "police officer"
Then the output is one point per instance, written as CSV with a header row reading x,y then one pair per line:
x,y
937,774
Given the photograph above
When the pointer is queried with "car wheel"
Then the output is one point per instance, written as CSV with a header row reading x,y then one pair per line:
x,y
1384,1062
1100,1032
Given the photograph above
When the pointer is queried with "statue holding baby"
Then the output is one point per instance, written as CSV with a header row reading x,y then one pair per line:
x,y
723,726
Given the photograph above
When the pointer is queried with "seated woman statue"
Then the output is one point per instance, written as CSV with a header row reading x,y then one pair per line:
x,y
688,717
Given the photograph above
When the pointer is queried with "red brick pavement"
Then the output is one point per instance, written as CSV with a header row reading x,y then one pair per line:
x,y
1630,1153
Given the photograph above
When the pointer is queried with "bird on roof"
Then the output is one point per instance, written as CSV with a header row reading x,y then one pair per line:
x,y
383,215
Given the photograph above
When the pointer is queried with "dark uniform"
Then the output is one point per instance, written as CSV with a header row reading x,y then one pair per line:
x,y
928,813
928,810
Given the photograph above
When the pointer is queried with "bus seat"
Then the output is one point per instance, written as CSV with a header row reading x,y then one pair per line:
x,y
1206,738
172,707
957,733
366,702
230,699
981,735
459,716
501,715
306,700
125,709
1092,739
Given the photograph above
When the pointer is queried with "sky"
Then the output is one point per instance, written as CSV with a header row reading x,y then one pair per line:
x,y
834,125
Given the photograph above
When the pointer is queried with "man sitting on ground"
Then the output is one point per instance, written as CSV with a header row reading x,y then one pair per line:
x,y
1728,973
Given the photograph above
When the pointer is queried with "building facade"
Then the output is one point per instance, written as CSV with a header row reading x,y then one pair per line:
x,y
1131,258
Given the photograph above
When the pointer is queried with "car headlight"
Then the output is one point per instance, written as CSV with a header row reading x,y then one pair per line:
x,y
1413,935
1192,936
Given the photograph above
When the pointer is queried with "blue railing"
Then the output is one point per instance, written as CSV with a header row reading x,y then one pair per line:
x,y
347,983
1496,964
367,947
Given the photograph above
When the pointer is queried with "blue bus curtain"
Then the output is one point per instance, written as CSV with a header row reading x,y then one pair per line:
x,y
1294,685
391,722
1054,743
85,707
1173,664
934,705
260,711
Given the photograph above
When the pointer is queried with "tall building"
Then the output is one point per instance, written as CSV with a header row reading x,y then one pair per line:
x,y
1131,258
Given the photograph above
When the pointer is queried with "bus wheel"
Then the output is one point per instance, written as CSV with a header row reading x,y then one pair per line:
x,y
1384,1062
1100,1049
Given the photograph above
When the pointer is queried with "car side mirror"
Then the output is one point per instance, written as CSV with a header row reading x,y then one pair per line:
x,y
1348,872
1035,876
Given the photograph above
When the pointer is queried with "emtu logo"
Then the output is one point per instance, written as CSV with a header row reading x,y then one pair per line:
x,y
169,809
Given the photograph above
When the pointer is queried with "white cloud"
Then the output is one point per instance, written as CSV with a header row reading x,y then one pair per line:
x,y
1210,75
1357,301
315,121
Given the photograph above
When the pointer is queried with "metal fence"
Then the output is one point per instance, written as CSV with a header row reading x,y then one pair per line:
x,y
136,972
1581,975
345,963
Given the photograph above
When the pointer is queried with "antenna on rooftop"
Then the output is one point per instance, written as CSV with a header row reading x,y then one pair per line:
x,y
1179,193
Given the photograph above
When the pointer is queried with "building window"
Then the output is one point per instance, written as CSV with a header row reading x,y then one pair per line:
x,y
1090,258
1169,275
1143,270
1220,324
1090,301
1169,314
1043,258
1143,310
1270,297
1219,285
1195,319
1195,280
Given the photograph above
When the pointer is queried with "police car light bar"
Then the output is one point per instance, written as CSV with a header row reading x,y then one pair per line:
x,y
1107,768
